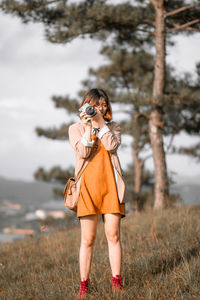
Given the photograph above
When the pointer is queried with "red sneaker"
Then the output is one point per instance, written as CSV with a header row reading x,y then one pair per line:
x,y
83,289
117,283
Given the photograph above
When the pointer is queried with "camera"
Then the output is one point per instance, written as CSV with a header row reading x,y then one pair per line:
x,y
88,110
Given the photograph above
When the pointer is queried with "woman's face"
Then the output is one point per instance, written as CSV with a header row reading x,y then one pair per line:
x,y
101,107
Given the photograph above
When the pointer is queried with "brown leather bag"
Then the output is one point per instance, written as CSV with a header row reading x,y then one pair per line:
x,y
71,193
72,187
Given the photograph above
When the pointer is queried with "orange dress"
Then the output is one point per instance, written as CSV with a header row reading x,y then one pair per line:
x,y
98,191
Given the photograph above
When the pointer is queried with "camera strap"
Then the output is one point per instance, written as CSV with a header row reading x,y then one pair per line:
x,y
94,148
95,130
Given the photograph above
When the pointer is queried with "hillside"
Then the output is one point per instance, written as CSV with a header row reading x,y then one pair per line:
x,y
35,194
161,260
190,193
28,194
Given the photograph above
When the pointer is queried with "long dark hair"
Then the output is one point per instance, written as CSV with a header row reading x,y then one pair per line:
x,y
93,96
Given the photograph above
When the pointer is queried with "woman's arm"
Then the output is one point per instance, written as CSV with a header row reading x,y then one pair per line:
x,y
81,143
110,136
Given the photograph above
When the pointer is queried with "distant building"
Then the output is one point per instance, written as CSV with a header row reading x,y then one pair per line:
x,y
14,206
19,231
59,214
41,214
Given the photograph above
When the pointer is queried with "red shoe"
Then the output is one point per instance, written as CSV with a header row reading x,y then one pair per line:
x,y
83,289
117,283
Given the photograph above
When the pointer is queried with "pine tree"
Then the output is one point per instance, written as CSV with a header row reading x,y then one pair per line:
x,y
162,25
135,25
116,76
128,83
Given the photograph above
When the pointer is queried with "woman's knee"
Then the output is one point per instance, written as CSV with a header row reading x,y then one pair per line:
x,y
88,241
112,237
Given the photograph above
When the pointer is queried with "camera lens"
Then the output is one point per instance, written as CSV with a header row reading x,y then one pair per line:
x,y
90,111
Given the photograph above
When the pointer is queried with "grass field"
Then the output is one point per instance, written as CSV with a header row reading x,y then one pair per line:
x,y
161,260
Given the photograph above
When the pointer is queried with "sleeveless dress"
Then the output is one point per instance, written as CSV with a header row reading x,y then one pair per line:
x,y
98,191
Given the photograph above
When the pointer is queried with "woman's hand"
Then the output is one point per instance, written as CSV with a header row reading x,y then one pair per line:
x,y
98,120
86,120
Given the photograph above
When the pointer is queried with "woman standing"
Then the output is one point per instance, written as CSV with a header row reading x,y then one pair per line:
x,y
102,186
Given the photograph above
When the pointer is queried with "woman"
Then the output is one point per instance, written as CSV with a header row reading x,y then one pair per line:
x,y
102,186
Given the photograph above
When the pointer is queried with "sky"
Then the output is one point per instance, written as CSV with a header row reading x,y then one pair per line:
x,y
32,70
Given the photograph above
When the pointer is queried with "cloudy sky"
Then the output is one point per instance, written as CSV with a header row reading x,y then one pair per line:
x,y
32,70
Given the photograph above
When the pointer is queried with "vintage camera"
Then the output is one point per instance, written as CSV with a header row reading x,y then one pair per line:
x,y
88,110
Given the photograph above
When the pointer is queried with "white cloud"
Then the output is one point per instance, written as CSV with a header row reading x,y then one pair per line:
x,y
185,54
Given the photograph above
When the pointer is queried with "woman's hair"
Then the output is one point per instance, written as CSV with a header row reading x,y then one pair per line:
x,y
93,96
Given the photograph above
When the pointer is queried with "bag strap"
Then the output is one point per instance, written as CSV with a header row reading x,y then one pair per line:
x,y
94,148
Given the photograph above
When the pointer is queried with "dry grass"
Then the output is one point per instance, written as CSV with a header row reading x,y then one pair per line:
x,y
161,260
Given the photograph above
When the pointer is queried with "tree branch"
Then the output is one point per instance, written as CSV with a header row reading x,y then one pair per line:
x,y
184,26
170,143
192,29
172,13
140,115
175,127
143,30
153,2
151,23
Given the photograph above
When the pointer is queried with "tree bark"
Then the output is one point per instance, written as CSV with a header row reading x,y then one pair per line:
x,y
161,179
137,162
155,121
138,168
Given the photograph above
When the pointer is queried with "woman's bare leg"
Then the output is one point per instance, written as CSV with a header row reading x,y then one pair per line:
x,y
88,234
112,231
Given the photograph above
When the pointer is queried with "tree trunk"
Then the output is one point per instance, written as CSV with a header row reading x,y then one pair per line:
x,y
161,179
138,168
156,122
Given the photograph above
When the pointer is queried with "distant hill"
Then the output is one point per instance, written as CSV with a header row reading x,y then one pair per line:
x,y
28,194
182,179
190,193
33,194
